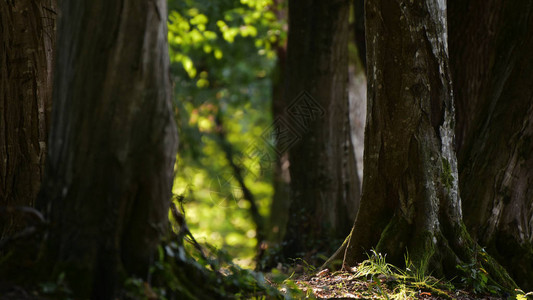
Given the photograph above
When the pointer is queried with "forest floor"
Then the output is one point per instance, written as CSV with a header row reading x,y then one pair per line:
x,y
375,278
349,285
327,285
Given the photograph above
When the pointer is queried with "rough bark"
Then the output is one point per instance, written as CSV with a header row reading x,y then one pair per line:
x,y
410,199
27,37
324,183
359,30
490,48
112,144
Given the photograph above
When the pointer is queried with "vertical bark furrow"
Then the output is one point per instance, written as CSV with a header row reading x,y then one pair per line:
x,y
491,44
324,184
112,146
410,187
27,40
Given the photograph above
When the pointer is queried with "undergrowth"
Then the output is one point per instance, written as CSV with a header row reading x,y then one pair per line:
x,y
184,269
375,278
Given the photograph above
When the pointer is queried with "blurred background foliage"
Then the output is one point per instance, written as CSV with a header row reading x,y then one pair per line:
x,y
222,64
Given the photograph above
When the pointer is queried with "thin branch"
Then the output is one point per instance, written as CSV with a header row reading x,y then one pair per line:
x,y
24,209
27,232
185,233
237,172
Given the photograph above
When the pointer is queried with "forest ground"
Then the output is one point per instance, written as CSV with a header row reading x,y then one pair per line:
x,y
347,285
352,284
375,278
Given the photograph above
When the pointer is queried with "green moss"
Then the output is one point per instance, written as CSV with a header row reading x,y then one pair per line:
x,y
446,176
470,253
515,257
393,240
498,276
422,251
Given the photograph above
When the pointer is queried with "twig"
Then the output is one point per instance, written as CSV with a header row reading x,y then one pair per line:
x,y
24,209
185,233
29,230
247,194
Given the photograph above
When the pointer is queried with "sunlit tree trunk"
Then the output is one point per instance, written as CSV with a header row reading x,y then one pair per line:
x,y
112,144
493,78
357,83
27,39
323,173
410,198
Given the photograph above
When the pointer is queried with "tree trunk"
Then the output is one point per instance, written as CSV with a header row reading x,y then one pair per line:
x,y
357,83
281,175
410,199
493,76
359,30
277,222
28,37
324,183
112,143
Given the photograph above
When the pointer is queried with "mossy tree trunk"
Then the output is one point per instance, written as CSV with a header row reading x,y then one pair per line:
x,y
27,39
410,199
323,173
493,78
112,144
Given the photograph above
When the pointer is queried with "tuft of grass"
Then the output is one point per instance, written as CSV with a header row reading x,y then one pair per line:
x,y
376,278
403,291
375,264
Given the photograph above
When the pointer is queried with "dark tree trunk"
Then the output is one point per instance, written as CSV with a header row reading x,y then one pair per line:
x,y
359,30
27,35
324,183
410,197
281,175
491,43
112,143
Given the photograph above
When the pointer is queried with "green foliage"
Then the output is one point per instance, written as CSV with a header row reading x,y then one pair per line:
x,y
375,264
136,288
229,37
521,295
402,291
186,270
222,56
476,277
392,282
288,286
179,270
417,271
59,288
